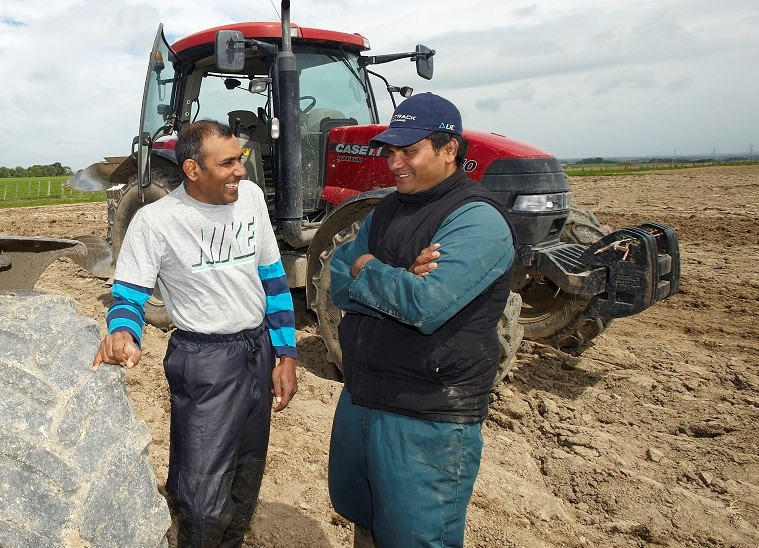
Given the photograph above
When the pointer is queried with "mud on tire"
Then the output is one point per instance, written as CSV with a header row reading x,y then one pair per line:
x,y
73,454
510,334
327,313
558,319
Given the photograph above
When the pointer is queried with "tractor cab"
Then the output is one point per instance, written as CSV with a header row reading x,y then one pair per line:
x,y
232,74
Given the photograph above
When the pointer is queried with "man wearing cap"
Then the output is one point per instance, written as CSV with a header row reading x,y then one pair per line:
x,y
423,286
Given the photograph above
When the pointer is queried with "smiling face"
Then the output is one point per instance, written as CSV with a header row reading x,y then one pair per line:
x,y
217,182
418,167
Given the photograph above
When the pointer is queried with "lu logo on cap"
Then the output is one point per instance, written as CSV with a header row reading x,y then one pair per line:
x,y
417,117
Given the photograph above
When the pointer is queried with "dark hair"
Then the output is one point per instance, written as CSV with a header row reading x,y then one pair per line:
x,y
441,138
190,142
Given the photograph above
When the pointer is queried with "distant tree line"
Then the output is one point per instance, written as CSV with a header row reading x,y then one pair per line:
x,y
662,160
597,160
50,170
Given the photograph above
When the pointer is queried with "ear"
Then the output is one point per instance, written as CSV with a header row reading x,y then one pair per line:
x,y
451,148
191,169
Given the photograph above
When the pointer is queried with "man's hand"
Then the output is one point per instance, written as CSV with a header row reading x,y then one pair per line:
x,y
424,263
360,263
117,348
284,381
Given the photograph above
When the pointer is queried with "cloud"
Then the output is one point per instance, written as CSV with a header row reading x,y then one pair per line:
x,y
523,93
619,82
72,71
680,84
584,40
10,22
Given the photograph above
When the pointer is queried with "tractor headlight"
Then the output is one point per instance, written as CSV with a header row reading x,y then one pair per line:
x,y
540,203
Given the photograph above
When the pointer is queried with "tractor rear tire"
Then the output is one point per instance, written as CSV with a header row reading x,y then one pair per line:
x,y
553,317
329,316
164,180
73,454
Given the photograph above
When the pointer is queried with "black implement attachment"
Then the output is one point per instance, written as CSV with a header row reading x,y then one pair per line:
x,y
626,271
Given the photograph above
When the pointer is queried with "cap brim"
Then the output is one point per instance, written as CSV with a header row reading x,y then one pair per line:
x,y
399,136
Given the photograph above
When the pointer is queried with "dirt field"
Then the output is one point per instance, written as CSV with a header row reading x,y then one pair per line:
x,y
650,438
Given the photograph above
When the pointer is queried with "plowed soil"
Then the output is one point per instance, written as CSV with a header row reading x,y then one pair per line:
x,y
649,438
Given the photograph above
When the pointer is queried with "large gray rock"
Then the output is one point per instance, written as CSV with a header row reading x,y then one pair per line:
x,y
74,467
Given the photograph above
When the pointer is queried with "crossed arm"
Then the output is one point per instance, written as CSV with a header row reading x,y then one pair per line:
x,y
472,248
422,266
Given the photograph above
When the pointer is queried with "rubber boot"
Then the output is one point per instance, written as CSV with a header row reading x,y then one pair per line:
x,y
363,538
199,533
204,526
244,495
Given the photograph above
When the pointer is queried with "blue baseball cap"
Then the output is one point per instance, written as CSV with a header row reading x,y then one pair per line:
x,y
417,118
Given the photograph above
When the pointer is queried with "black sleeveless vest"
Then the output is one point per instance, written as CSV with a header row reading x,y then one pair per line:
x,y
446,375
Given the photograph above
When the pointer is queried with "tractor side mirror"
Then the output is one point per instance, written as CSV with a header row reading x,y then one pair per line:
x,y
424,64
164,110
229,51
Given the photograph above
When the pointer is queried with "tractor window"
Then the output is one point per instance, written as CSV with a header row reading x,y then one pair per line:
x,y
159,88
333,83
332,92
221,94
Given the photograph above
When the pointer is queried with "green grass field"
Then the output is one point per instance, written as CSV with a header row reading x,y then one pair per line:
x,y
40,191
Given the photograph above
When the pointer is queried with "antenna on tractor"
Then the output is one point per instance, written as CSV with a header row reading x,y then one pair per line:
x,y
273,5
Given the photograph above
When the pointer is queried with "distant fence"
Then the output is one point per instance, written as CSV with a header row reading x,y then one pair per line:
x,y
21,189
643,166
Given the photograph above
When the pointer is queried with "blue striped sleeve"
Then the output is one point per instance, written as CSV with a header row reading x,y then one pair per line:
x,y
271,271
280,313
127,313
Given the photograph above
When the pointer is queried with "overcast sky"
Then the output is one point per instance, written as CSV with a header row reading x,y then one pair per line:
x,y
575,78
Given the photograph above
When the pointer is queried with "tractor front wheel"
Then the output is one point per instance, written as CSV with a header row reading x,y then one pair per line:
x,y
554,317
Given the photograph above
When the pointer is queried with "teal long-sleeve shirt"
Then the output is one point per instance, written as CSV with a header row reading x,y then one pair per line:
x,y
476,248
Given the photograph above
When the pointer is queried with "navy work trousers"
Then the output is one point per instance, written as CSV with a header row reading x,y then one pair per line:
x,y
220,415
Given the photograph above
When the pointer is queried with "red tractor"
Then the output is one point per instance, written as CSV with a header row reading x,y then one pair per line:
x,y
301,103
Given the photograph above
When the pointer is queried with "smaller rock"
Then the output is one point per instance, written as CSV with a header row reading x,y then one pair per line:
x,y
688,470
548,406
523,522
706,477
516,408
654,455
